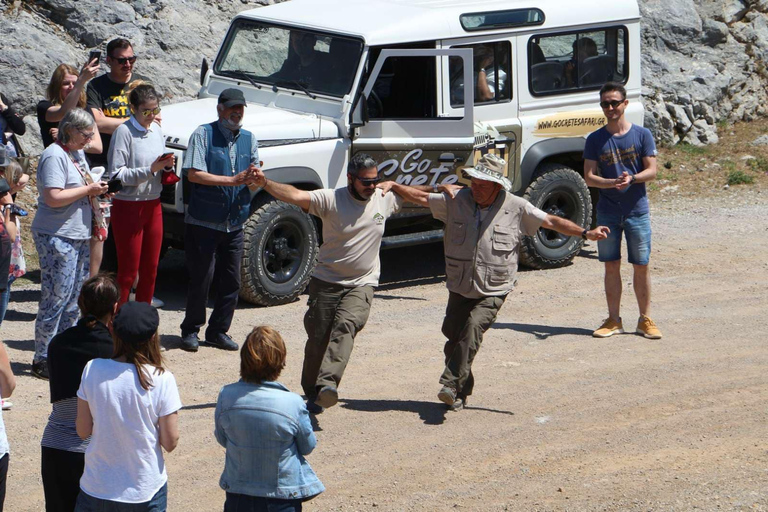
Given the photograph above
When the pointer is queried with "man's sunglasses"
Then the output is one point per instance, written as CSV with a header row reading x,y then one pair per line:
x,y
613,104
150,111
123,60
367,181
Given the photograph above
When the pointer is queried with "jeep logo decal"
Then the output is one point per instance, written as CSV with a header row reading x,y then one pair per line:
x,y
412,169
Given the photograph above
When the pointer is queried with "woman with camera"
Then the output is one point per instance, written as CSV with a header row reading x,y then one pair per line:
x,y
62,230
137,159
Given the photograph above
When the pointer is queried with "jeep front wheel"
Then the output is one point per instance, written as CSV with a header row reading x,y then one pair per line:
x,y
560,191
279,254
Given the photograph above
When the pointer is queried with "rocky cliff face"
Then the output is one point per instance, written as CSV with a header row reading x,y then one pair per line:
x,y
704,61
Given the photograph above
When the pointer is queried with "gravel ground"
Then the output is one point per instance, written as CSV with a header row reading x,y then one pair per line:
x,y
559,420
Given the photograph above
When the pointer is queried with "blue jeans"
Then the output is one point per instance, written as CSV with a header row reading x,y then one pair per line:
x,y
64,266
5,296
245,503
158,503
636,229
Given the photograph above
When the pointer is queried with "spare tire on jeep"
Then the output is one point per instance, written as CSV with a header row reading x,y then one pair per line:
x,y
561,191
279,253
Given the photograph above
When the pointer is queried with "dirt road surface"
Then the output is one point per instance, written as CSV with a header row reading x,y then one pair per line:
x,y
559,420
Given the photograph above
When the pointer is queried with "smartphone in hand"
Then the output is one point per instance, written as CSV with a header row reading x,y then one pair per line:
x,y
95,54
115,185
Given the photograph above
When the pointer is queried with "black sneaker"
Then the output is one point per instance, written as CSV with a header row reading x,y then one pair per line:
x,y
327,397
40,369
222,341
190,342
313,408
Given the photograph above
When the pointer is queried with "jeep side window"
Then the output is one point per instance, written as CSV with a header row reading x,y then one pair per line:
x,y
577,61
406,88
491,71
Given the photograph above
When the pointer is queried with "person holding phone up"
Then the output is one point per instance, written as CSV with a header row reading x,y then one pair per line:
x,y
137,159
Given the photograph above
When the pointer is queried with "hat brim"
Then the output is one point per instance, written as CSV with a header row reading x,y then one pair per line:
x,y
480,175
232,103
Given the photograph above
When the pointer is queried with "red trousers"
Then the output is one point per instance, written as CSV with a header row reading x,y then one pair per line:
x,y
137,227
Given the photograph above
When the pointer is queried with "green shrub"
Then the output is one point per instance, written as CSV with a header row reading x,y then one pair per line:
x,y
740,178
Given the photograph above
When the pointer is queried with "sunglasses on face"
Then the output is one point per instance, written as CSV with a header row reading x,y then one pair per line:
x,y
150,111
368,181
612,104
123,60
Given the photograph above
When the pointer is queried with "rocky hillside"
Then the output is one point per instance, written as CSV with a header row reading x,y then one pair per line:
x,y
704,60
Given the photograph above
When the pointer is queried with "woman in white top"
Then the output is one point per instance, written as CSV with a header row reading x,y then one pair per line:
x,y
7,385
128,406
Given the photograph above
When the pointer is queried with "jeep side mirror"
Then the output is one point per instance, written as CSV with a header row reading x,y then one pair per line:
x,y
203,70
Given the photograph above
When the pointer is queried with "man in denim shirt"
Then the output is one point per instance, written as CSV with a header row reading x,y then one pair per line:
x,y
219,165
620,159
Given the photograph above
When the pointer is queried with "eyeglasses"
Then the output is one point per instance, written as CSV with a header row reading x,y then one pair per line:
x,y
367,181
123,60
150,111
86,135
612,104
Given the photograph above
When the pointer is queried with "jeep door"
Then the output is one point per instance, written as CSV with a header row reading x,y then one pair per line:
x,y
400,118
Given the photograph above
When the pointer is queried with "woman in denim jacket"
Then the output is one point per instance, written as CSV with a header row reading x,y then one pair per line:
x,y
266,431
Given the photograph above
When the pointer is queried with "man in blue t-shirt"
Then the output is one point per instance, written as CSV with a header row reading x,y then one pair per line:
x,y
620,159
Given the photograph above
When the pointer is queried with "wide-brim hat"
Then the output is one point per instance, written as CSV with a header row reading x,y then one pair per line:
x,y
490,168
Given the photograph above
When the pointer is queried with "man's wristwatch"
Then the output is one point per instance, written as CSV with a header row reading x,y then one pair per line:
x,y
584,234
632,179
435,188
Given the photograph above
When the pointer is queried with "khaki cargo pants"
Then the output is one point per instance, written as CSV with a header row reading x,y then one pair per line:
x,y
466,320
336,314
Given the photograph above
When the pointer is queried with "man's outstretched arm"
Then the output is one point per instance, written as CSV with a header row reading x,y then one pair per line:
x,y
282,191
417,194
569,228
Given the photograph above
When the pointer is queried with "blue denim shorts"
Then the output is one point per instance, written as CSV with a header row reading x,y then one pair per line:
x,y
158,503
637,230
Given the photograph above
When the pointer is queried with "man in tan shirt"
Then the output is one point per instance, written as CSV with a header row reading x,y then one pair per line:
x,y
483,226
348,268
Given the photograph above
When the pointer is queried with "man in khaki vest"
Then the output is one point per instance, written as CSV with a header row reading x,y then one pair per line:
x,y
483,226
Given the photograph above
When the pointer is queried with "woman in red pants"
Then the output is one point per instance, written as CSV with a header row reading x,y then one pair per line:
x,y
136,158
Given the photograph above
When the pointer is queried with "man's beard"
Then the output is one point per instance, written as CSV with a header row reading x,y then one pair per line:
x,y
351,188
230,125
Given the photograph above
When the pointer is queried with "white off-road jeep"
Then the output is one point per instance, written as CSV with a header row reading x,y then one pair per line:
x,y
326,79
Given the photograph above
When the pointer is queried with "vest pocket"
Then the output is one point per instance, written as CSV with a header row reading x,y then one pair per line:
x,y
454,273
504,239
497,276
458,232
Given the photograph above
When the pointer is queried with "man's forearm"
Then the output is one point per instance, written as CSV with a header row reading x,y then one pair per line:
x,y
287,193
415,194
206,178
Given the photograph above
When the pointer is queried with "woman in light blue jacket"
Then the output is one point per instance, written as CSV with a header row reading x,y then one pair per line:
x,y
266,431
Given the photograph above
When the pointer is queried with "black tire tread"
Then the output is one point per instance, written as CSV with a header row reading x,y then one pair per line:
x,y
546,174
250,290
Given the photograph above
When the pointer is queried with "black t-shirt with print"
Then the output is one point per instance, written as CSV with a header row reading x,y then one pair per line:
x,y
45,126
112,98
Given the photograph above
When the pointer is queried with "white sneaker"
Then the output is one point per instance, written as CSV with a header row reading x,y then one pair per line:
x,y
5,404
157,303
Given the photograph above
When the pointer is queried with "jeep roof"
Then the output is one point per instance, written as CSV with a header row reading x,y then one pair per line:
x,y
381,22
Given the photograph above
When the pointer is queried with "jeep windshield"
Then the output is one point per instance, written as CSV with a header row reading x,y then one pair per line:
x,y
290,58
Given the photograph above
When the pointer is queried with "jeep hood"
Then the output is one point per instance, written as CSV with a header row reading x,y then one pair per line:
x,y
181,119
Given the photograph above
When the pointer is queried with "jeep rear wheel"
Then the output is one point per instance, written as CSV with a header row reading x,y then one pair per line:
x,y
560,191
279,254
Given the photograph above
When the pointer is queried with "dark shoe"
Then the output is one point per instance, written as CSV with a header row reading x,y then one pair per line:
x,y
222,341
447,395
190,342
40,369
313,408
327,397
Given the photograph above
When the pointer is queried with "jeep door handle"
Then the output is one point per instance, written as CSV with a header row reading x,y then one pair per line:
x,y
448,157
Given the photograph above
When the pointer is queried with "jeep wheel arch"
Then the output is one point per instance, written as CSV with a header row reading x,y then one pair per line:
x,y
560,191
549,150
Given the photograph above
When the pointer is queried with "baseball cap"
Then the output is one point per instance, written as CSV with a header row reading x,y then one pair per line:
x,y
135,322
231,97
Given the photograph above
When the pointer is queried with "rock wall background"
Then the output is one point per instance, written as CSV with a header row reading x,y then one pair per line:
x,y
704,61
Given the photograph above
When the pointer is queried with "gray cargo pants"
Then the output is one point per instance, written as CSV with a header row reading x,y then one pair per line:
x,y
466,320
336,314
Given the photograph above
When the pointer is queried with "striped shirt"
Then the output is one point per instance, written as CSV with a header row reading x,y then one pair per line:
x,y
60,432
